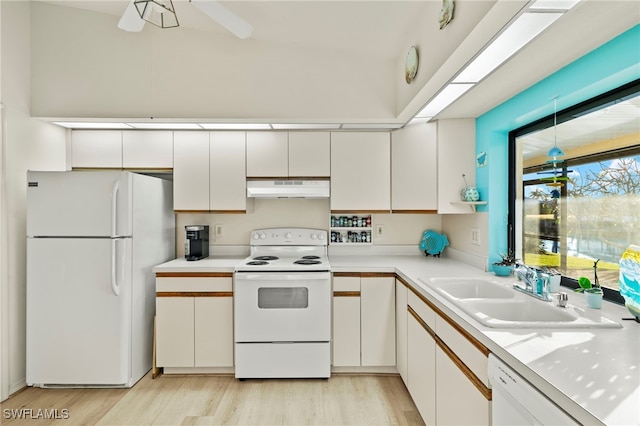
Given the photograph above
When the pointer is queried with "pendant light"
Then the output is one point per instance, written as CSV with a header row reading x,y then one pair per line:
x,y
555,152
157,12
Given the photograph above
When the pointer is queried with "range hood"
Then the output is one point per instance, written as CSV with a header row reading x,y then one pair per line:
x,y
288,188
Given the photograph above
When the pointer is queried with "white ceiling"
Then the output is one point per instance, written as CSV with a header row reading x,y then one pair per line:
x,y
379,29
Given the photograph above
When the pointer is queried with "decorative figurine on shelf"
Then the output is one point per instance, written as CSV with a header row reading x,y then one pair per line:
x,y
469,193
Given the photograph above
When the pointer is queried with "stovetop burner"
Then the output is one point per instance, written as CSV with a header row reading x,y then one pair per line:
x,y
258,262
311,257
265,258
304,261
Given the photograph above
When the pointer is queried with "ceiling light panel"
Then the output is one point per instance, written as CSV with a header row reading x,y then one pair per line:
x,y
91,125
166,126
445,98
235,126
553,4
371,126
299,126
516,36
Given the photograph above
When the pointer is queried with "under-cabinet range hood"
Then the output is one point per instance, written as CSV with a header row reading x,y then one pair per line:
x,y
288,188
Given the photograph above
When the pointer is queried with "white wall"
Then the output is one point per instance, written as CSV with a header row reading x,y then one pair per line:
x,y
399,229
27,144
102,71
458,228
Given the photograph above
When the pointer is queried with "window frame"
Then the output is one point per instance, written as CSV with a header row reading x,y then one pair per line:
x,y
598,102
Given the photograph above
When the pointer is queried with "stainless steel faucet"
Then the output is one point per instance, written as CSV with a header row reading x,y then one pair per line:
x,y
533,282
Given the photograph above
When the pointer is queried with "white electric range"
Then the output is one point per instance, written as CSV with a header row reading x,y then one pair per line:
x,y
282,305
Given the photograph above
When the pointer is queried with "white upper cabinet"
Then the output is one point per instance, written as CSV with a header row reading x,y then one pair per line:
x,y
227,178
456,156
96,149
152,149
267,154
414,168
309,154
360,171
191,171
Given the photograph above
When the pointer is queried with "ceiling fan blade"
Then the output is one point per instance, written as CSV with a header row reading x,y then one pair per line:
x,y
131,20
232,22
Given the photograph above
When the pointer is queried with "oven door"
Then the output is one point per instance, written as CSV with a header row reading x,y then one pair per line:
x,y
282,307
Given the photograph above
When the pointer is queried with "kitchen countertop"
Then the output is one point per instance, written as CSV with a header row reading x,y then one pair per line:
x,y
593,374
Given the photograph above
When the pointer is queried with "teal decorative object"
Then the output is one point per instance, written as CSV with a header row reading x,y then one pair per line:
x,y
469,193
433,243
629,280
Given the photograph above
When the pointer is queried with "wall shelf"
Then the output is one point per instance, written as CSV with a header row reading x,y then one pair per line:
x,y
471,204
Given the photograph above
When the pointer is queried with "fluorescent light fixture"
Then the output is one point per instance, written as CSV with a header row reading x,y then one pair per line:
x,y
517,35
553,4
90,125
235,126
371,126
303,126
445,98
166,126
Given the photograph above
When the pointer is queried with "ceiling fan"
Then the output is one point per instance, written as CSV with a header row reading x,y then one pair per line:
x,y
132,20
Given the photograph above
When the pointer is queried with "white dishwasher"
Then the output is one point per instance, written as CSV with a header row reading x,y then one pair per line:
x,y
516,402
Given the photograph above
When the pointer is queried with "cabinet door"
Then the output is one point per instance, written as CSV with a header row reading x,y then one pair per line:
x,y
213,331
453,389
147,149
360,171
96,149
414,168
227,177
378,318
421,370
191,171
309,154
456,150
346,322
267,154
401,330
174,331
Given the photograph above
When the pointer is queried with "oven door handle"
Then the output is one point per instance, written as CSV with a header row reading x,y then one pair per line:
x,y
282,276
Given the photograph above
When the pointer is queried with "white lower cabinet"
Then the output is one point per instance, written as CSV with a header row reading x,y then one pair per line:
x,y
421,366
458,401
364,331
446,368
194,321
401,330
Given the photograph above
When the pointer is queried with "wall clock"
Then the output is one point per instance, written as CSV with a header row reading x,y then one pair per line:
x,y
411,66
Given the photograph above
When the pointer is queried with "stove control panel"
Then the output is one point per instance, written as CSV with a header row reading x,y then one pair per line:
x,y
289,236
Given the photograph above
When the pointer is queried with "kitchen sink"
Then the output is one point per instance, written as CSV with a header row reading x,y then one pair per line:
x,y
471,288
498,305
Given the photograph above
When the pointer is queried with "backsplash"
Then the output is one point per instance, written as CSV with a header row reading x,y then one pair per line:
x,y
398,229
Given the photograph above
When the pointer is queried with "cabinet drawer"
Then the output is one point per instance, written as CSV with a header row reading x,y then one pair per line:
x,y
194,284
426,313
473,357
346,284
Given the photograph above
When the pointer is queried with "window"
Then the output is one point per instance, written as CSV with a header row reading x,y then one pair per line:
x,y
585,207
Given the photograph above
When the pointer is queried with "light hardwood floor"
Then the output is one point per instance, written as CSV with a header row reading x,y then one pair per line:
x,y
223,400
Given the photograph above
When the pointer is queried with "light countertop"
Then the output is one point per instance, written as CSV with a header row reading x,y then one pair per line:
x,y
593,374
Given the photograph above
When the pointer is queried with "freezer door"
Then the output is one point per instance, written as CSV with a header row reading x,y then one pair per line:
x,y
78,311
74,204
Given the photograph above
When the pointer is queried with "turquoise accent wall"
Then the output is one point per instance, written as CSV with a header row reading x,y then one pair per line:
x,y
611,65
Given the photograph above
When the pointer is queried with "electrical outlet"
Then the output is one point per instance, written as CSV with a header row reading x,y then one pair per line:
x,y
475,236
379,230
219,229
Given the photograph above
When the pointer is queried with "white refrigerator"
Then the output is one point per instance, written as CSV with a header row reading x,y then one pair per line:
x,y
93,238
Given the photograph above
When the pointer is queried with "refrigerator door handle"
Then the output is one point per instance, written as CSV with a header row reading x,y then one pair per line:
x,y
114,208
115,288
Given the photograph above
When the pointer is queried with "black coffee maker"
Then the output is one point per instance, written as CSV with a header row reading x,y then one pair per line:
x,y
196,245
